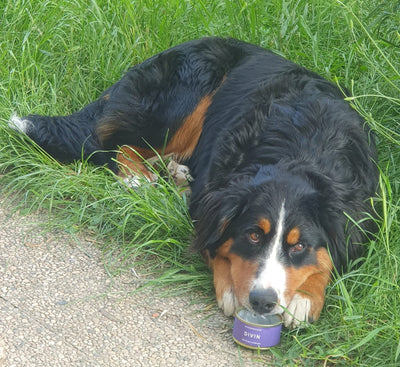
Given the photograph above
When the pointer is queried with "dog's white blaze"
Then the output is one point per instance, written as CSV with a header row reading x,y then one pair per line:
x,y
19,124
273,274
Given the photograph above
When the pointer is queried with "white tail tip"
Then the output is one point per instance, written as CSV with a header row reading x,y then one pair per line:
x,y
19,124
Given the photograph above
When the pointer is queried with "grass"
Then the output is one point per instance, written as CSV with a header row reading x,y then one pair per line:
x,y
56,56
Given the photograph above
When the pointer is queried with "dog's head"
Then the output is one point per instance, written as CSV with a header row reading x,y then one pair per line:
x,y
266,239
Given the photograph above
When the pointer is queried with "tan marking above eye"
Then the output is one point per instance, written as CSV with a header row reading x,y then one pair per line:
x,y
265,225
293,236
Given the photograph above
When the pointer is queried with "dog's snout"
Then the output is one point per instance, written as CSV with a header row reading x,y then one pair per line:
x,y
263,300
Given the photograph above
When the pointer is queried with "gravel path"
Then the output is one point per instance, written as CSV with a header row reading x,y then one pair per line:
x,y
58,307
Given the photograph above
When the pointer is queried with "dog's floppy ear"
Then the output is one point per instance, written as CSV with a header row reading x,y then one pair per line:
x,y
332,219
332,223
213,216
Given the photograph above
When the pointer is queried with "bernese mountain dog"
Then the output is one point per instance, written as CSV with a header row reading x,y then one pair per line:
x,y
284,168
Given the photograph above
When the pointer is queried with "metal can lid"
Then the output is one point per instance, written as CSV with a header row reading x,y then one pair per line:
x,y
252,318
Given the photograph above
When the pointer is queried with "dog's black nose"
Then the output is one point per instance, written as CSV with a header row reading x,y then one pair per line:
x,y
263,300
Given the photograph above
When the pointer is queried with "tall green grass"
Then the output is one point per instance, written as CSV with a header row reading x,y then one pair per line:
x,y
57,56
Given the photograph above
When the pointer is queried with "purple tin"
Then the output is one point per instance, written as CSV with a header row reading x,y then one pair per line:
x,y
257,332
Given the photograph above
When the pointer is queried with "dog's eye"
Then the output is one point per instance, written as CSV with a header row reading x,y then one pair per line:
x,y
297,248
254,237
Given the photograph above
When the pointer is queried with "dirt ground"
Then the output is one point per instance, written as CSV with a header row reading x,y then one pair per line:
x,y
59,307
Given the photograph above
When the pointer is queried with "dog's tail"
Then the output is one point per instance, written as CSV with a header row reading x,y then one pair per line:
x,y
66,138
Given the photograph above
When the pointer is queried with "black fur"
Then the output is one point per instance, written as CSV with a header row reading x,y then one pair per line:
x,y
274,133
299,125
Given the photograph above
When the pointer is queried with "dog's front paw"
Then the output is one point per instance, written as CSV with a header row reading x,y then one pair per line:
x,y
299,312
179,173
135,181
228,303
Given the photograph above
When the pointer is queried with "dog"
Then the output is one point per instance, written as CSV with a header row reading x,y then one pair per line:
x,y
283,167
